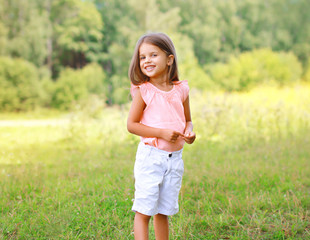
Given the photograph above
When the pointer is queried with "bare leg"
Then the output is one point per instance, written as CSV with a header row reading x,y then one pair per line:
x,y
141,226
161,227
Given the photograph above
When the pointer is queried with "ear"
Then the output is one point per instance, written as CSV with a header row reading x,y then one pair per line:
x,y
170,60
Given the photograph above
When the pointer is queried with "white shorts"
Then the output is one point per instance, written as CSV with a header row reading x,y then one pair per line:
x,y
158,178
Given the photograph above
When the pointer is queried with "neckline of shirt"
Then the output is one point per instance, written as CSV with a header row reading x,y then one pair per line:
x,y
162,90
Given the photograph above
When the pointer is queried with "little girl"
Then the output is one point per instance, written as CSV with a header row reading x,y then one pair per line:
x,y
160,114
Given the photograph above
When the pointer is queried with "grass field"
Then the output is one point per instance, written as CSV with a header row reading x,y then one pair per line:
x,y
247,176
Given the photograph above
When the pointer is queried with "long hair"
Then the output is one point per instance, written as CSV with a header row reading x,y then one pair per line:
x,y
160,40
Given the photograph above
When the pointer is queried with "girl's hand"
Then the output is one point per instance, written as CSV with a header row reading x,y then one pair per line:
x,y
170,135
189,137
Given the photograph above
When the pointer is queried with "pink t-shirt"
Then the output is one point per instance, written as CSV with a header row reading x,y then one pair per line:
x,y
163,110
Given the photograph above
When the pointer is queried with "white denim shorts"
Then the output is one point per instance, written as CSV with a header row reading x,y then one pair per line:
x,y
158,177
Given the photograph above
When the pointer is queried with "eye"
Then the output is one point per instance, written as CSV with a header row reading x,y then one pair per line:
x,y
142,57
154,55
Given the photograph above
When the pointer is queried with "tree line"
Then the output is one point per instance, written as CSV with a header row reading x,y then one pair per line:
x,y
55,53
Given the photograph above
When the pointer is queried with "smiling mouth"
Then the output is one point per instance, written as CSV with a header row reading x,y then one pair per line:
x,y
149,68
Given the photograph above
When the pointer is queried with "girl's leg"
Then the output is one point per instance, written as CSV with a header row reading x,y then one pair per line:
x,y
141,226
161,227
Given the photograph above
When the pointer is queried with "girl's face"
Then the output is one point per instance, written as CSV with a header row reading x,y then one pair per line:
x,y
154,62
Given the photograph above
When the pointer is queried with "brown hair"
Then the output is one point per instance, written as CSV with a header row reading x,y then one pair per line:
x,y
160,40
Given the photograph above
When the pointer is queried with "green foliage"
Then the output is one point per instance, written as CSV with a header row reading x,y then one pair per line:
x,y
253,68
306,76
3,38
27,30
121,88
78,32
54,34
19,84
75,86
197,77
48,87
222,28
69,89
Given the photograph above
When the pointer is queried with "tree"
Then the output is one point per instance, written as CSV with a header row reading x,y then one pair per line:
x,y
3,39
75,86
77,28
19,85
26,32
250,69
292,30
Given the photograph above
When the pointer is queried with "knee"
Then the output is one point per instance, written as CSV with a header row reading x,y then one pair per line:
x,y
160,216
142,217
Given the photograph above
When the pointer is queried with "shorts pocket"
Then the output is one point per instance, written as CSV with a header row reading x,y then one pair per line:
x,y
141,156
178,168
177,173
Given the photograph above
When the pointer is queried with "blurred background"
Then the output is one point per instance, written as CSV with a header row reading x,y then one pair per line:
x,y
67,159
57,54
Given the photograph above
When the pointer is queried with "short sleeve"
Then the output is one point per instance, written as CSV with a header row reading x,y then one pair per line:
x,y
133,89
183,89
144,90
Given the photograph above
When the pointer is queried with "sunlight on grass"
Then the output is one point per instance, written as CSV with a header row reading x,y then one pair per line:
x,y
246,177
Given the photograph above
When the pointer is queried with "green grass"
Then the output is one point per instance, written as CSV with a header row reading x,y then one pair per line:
x,y
246,177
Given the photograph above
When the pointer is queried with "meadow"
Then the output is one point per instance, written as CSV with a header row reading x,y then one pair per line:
x,y
247,176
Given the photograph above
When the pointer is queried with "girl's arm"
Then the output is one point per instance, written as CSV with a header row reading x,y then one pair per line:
x,y
134,126
189,135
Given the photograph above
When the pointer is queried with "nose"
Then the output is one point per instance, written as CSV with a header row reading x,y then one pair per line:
x,y
147,59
